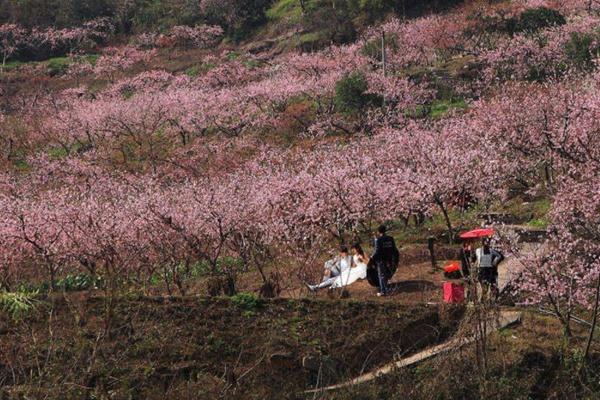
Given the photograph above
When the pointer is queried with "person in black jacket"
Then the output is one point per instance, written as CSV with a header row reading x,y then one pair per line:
x,y
384,260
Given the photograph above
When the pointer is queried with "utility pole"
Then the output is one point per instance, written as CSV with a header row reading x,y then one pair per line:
x,y
383,61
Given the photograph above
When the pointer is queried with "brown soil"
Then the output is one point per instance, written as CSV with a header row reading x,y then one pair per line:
x,y
206,348
412,284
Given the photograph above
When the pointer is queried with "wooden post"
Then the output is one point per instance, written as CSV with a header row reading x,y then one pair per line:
x,y
383,61
431,246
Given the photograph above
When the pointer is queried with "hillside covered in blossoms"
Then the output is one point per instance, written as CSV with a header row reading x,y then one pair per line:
x,y
216,148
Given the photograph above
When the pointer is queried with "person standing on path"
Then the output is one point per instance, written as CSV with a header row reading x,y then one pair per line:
x,y
385,259
487,264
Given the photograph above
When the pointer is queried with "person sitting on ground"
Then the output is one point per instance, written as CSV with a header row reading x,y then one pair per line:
x,y
334,269
357,271
384,260
487,264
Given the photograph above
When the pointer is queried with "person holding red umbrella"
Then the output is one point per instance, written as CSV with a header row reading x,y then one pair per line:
x,y
485,259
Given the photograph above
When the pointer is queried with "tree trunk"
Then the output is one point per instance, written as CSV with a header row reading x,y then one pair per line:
x,y
594,320
440,203
431,246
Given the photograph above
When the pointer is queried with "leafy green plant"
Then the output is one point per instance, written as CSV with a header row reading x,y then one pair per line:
x,y
374,10
290,10
193,71
247,301
541,223
351,94
437,109
73,283
58,65
12,66
581,49
440,108
534,19
17,304
69,283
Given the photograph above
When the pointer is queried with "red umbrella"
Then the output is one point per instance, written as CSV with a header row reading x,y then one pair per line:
x,y
478,233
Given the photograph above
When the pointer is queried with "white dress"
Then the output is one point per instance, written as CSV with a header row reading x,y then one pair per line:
x,y
351,275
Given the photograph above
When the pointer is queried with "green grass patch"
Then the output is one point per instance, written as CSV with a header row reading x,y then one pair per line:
x,y
58,152
289,10
55,66
21,164
534,213
193,71
541,223
437,109
58,65
233,55
539,210
440,108
13,65
91,58
199,69
248,302
311,37
541,207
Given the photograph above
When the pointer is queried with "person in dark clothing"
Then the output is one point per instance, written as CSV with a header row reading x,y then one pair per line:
x,y
467,259
384,260
467,256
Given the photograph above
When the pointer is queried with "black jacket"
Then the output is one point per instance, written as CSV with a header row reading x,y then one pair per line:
x,y
386,253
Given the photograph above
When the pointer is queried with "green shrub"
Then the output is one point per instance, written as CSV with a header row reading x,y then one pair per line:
x,y
193,71
351,94
70,283
534,19
138,15
160,14
581,49
441,108
247,301
290,10
12,66
375,10
17,304
237,18
334,24
58,65
75,283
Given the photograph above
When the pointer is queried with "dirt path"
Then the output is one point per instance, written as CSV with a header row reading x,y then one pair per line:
x,y
511,268
506,319
531,243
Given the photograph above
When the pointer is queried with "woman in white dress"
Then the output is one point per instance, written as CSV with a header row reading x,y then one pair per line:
x,y
357,271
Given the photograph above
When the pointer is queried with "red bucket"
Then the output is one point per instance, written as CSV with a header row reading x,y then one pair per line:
x,y
452,267
454,293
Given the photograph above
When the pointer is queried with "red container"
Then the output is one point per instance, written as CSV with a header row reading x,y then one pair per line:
x,y
453,267
454,293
